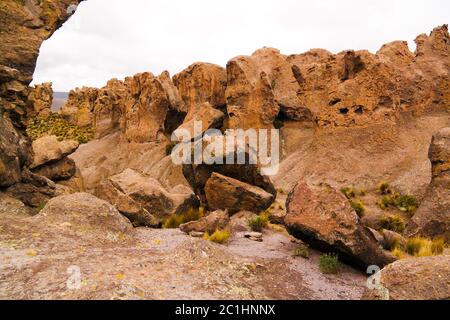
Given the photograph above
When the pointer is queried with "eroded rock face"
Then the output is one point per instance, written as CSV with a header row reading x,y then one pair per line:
x,y
432,219
414,279
24,25
356,88
41,99
323,217
142,199
79,107
200,83
225,193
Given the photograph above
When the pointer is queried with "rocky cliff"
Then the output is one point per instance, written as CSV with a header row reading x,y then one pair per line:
x,y
25,25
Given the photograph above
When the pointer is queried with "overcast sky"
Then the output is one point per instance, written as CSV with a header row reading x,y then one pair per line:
x,y
115,38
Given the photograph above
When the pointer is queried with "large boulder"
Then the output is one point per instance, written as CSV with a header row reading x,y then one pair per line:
x,y
217,220
432,219
84,217
142,199
79,108
225,193
204,113
324,218
424,278
49,149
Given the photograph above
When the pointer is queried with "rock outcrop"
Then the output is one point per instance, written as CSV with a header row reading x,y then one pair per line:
x,y
24,25
40,98
200,83
85,218
414,279
323,217
432,219
79,107
144,200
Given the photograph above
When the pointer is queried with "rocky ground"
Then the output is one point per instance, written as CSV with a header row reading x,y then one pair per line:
x,y
159,264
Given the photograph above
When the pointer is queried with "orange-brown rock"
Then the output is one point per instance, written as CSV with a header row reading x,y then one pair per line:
x,y
413,279
25,25
323,217
432,219
225,193
204,113
144,200
41,99
79,108
202,82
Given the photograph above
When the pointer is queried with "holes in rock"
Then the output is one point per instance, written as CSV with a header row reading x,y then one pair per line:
x,y
385,101
334,101
343,111
174,119
359,110
279,121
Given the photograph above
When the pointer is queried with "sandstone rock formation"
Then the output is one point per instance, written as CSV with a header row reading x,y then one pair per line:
x,y
432,219
200,83
414,279
24,25
144,200
79,107
323,217
41,99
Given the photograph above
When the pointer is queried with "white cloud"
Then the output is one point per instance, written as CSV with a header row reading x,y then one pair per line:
x,y
116,38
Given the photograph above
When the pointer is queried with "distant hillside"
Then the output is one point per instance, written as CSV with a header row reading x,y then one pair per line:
x,y
59,99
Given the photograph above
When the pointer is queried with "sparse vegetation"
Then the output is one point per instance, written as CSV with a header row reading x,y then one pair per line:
x,y
384,188
175,220
329,263
394,223
423,247
359,207
406,203
348,192
301,251
260,222
219,236
391,199
57,126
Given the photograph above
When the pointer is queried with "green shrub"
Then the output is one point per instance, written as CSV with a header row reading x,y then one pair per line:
x,y
55,125
329,263
384,188
348,192
260,222
219,236
359,208
301,251
175,220
394,223
406,203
